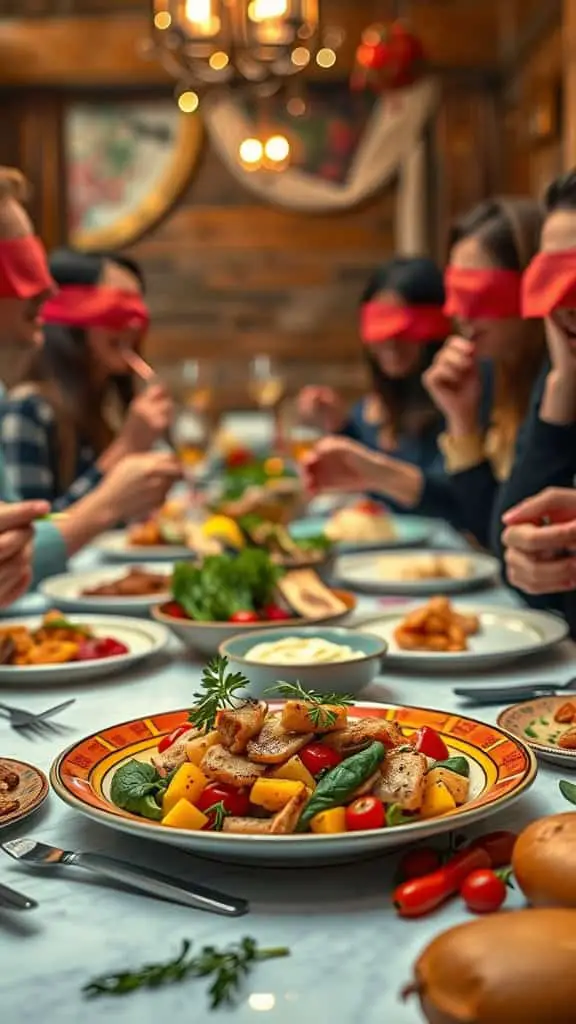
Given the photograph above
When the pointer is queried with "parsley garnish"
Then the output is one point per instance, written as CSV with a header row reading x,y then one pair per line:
x,y
217,690
219,812
320,713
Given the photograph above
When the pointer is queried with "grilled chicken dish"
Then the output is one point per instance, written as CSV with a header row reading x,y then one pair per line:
x,y
136,582
299,767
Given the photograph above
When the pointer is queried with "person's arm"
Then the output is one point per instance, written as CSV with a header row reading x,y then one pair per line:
x,y
28,434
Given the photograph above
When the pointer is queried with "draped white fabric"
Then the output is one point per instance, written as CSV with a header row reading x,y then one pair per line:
x,y
392,145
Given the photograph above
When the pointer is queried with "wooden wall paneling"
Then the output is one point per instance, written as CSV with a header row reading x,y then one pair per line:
x,y
569,82
41,159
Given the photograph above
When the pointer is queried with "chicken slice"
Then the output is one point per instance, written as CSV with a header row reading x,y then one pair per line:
x,y
9,779
231,769
247,826
238,725
176,754
274,745
402,779
360,732
285,822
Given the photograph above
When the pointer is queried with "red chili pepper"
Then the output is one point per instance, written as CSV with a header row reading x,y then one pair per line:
x,y
421,895
167,741
274,613
417,863
244,617
498,845
174,610
317,758
235,801
483,892
364,813
428,742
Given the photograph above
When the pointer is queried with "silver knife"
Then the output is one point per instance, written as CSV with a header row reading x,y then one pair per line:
x,y
145,879
12,900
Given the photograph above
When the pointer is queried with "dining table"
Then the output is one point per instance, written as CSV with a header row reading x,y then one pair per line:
x,y
349,953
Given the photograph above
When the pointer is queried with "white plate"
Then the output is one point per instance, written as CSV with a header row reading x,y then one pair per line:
x,y
382,574
65,591
143,640
505,635
114,547
409,531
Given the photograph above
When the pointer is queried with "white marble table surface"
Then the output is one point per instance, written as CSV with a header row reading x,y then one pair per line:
x,y
350,954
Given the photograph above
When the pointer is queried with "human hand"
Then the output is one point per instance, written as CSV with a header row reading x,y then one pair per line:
x,y
16,539
321,407
454,384
337,463
539,538
148,420
137,485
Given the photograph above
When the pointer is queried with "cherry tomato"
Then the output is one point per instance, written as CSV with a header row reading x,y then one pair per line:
x,y
171,738
274,613
421,895
417,863
428,742
244,617
235,801
365,812
499,847
317,758
483,892
370,508
95,649
239,457
175,610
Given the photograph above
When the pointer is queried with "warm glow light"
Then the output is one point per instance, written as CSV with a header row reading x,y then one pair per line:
x,y
371,36
251,151
277,148
325,58
162,20
201,18
300,56
260,10
296,106
219,60
188,102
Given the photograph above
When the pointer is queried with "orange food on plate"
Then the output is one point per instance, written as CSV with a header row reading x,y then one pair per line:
x,y
436,627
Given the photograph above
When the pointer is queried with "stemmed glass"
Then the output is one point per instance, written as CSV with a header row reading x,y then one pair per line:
x,y
266,387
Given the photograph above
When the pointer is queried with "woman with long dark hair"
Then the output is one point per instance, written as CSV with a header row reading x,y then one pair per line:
x,y
76,414
402,327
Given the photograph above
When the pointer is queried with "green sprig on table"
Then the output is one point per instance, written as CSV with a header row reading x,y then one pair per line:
x,y
227,968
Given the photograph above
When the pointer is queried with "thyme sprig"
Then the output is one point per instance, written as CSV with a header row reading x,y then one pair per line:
x,y
321,705
227,968
218,690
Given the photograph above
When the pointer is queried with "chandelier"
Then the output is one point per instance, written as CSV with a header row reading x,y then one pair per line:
x,y
253,44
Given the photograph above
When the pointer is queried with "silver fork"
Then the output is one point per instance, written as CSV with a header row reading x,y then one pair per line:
x,y
36,725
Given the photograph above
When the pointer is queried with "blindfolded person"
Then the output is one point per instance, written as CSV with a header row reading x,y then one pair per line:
x,y
136,483
546,459
75,412
480,381
401,327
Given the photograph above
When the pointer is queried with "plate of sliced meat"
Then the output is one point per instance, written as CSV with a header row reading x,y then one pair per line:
x,y
121,589
307,779
23,789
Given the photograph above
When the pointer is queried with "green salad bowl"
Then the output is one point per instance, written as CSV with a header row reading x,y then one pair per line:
x,y
348,677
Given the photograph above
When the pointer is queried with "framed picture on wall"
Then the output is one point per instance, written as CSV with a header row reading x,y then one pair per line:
x,y
126,163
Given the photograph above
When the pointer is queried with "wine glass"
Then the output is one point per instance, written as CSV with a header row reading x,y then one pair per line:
x,y
266,384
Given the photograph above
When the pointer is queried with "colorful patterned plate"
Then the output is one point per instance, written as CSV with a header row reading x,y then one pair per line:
x,y
501,769
30,793
533,722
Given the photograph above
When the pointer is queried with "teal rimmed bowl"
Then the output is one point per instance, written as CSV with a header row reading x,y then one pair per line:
x,y
333,677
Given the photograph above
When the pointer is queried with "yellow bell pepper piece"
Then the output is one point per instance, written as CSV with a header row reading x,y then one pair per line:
x,y
274,794
457,785
196,748
296,771
187,784
185,815
329,822
437,800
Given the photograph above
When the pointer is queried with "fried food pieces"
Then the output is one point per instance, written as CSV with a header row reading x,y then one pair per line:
x,y
436,627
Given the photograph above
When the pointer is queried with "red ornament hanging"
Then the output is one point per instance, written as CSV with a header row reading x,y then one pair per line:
x,y
389,57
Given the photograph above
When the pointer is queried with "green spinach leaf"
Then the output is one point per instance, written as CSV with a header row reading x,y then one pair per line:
x,y
135,787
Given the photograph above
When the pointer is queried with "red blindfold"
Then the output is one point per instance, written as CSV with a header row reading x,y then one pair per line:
x,y
482,294
24,271
549,283
93,306
381,321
